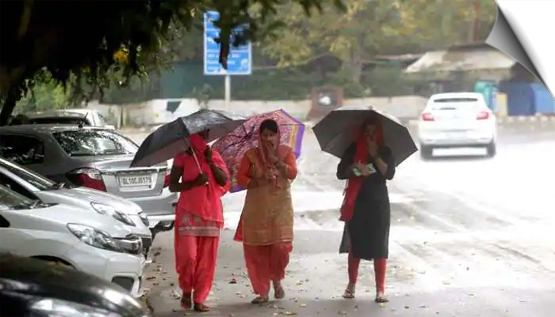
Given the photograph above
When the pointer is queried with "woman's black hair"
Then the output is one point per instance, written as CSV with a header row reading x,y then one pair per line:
x,y
269,124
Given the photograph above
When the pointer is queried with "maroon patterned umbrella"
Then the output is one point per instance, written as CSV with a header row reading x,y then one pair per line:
x,y
233,146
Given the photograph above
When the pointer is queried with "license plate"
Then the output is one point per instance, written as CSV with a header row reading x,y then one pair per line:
x,y
456,134
135,181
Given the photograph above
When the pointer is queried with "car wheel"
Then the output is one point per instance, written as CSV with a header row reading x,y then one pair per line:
x,y
491,149
426,152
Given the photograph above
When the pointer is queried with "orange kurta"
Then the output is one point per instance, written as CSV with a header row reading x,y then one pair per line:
x,y
267,215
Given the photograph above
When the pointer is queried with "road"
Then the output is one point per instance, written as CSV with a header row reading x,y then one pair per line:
x,y
470,236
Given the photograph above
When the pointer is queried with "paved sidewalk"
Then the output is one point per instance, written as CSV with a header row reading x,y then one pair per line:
x,y
316,278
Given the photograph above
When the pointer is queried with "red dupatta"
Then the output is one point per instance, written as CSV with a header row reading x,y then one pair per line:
x,y
202,201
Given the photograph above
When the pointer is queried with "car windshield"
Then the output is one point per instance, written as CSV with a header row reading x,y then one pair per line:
x,y
37,180
94,142
12,200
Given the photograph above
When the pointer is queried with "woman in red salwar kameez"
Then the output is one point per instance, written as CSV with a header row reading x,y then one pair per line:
x,y
198,219
266,225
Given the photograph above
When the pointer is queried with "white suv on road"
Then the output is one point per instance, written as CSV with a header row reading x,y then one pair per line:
x,y
459,119
89,242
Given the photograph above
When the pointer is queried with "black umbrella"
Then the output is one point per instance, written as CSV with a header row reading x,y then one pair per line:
x,y
336,131
170,139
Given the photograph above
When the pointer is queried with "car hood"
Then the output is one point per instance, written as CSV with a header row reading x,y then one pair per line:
x,y
41,280
83,195
55,215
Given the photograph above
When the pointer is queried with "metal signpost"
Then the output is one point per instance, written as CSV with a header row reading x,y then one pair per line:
x,y
239,61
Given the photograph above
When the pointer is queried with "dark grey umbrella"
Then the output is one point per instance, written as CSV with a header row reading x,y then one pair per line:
x,y
336,131
170,139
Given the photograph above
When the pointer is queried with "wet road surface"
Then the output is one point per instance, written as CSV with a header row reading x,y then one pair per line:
x,y
470,236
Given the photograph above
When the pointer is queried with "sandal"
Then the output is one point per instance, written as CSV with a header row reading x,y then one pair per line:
x,y
279,292
349,292
186,301
260,300
381,298
201,308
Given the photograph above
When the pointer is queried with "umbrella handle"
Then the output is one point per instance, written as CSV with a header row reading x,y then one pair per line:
x,y
194,155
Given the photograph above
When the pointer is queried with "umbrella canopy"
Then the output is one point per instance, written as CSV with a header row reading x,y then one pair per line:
x,y
170,139
336,131
233,146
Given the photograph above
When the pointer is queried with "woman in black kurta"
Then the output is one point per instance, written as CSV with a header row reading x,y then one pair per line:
x,y
367,165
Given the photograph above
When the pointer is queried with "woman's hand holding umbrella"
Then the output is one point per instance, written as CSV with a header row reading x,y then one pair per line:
x,y
201,180
372,148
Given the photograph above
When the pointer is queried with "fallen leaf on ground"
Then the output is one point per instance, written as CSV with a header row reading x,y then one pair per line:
x,y
176,295
233,281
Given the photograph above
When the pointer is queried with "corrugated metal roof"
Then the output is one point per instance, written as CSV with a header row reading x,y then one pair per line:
x,y
448,61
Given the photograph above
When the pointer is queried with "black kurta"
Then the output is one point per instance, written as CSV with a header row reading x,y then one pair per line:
x,y
367,233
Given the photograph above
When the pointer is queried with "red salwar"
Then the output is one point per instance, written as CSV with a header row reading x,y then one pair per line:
x,y
196,250
380,266
266,263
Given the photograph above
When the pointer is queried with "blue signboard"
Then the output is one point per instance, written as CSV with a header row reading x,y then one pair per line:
x,y
239,61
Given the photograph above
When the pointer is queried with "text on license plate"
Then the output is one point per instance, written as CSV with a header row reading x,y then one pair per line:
x,y
135,181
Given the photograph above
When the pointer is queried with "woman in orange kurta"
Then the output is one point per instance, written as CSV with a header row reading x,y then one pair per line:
x,y
266,225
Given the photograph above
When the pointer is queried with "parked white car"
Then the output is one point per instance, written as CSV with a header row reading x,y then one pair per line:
x,y
459,119
35,186
89,242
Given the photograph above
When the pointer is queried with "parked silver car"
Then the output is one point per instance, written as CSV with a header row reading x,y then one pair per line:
x,y
87,117
92,157
34,186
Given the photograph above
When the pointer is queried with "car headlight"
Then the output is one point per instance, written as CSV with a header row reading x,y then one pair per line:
x,y
104,209
144,218
93,237
58,307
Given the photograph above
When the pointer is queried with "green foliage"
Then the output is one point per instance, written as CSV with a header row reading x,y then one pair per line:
x,y
45,96
113,51
102,43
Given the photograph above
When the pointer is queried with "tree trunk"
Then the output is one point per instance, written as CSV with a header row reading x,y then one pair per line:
x,y
354,64
8,107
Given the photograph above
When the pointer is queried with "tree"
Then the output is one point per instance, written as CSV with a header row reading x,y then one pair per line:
x,y
46,95
354,36
448,22
374,27
90,41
